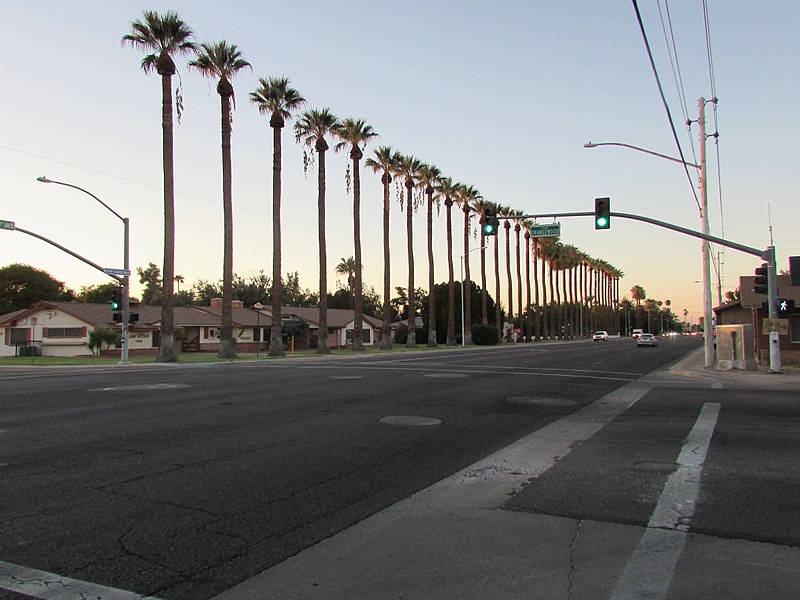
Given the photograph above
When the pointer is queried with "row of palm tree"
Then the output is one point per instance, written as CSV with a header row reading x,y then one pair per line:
x,y
590,281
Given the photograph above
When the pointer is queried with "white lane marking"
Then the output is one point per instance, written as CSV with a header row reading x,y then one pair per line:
x,y
49,586
651,568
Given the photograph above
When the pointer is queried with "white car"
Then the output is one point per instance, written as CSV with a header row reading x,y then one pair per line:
x,y
600,336
647,339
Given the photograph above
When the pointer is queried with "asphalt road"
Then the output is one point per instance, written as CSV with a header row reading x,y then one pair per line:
x,y
181,481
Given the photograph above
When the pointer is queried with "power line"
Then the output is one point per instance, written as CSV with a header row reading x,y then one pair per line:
x,y
664,102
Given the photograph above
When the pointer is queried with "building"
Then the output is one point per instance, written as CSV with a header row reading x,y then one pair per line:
x,y
751,308
62,328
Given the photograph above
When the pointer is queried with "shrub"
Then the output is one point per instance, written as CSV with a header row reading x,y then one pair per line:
x,y
484,335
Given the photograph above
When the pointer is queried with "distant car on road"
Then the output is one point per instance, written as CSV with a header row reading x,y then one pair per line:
x,y
600,336
647,339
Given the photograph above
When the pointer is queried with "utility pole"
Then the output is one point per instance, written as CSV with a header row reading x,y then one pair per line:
x,y
708,328
772,305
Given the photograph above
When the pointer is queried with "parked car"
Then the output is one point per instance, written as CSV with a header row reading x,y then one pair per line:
x,y
647,339
600,336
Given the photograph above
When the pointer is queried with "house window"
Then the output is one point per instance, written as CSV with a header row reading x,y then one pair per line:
x,y
794,329
64,332
19,335
365,333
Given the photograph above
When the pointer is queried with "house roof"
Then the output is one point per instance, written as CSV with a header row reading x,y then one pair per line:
x,y
99,315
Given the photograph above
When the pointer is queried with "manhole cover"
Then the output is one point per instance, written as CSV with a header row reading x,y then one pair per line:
x,y
410,421
539,401
446,375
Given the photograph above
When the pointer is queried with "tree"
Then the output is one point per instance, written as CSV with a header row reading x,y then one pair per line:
x,y
447,188
354,134
164,36
407,169
429,176
385,161
311,129
638,293
466,195
22,286
275,98
97,293
150,278
101,338
222,61
347,267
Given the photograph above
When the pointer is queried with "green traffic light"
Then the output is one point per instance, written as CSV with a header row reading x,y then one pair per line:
x,y
489,229
602,222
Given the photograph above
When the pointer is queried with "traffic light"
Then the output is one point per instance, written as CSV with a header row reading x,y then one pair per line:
x,y
133,318
490,222
116,298
794,270
602,213
760,286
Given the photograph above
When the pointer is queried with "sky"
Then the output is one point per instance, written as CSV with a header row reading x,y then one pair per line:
x,y
499,95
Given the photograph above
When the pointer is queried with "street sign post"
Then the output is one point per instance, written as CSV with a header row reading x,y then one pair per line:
x,y
553,230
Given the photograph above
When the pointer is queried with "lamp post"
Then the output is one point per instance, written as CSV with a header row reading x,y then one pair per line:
x,y
463,256
258,306
707,318
126,306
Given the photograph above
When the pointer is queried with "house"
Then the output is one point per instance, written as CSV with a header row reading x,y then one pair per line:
x,y
62,328
751,308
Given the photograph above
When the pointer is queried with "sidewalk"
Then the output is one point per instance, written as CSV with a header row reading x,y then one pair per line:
x,y
692,367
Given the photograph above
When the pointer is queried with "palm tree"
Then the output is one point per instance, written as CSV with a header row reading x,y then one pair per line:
x,y
479,206
164,36
355,133
275,98
428,176
222,61
517,229
498,320
638,294
407,169
508,212
311,129
385,162
447,188
347,266
466,195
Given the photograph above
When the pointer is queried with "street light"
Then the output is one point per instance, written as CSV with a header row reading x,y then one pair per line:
x,y
463,332
258,306
707,333
126,305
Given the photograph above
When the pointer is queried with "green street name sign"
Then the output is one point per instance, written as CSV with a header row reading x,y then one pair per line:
x,y
553,230
7,225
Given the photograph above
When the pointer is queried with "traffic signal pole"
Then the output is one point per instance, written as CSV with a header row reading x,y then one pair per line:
x,y
767,255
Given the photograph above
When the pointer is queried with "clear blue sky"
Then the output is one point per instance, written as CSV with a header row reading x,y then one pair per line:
x,y
499,95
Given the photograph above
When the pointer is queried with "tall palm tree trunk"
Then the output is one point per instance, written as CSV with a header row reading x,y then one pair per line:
x,y
545,325
498,316
508,275
528,324
386,328
537,331
411,341
166,349
322,336
519,273
276,329
466,299
431,277
227,343
451,284
358,296
484,292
